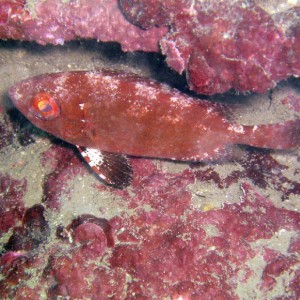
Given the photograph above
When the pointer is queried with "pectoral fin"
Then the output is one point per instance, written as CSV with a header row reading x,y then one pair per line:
x,y
114,169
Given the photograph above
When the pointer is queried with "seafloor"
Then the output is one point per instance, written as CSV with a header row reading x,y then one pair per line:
x,y
227,230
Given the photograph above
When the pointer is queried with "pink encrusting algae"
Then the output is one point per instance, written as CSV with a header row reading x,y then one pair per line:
x,y
56,22
221,45
156,253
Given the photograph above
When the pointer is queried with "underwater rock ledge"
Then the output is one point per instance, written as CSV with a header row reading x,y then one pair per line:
x,y
245,45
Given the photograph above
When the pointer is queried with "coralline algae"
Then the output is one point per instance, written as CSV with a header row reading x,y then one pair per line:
x,y
221,45
58,21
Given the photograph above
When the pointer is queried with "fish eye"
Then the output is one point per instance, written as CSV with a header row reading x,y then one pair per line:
x,y
45,107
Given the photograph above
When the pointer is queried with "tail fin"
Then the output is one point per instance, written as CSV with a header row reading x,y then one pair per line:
x,y
274,136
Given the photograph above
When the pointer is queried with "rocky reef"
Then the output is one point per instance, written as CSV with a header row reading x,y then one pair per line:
x,y
56,22
156,253
221,230
223,45
245,45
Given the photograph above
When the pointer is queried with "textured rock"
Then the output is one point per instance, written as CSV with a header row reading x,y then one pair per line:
x,y
240,44
223,45
205,255
12,208
58,21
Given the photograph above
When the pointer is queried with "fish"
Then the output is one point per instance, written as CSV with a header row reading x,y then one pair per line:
x,y
111,115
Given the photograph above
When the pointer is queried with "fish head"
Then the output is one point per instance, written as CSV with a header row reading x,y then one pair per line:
x,y
52,103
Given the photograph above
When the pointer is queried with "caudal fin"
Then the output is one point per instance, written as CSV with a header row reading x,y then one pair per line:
x,y
274,136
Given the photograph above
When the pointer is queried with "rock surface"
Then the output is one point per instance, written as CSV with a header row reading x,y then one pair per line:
x,y
223,45
240,44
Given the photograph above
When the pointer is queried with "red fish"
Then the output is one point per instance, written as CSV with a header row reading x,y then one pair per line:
x,y
108,115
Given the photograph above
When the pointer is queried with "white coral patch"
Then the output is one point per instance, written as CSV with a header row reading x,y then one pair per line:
x,y
174,99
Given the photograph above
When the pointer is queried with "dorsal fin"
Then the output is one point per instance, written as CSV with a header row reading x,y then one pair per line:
x,y
113,168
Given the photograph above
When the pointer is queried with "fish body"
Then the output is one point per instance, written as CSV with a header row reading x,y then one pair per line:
x,y
122,113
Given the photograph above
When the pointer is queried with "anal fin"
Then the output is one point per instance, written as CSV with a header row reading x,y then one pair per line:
x,y
113,168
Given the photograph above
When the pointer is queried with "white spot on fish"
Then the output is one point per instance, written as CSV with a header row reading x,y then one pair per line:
x,y
95,156
81,105
49,36
60,85
179,100
17,95
174,99
237,128
110,84
146,91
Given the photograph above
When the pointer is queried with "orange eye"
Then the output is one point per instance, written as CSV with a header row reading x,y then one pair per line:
x,y
45,106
